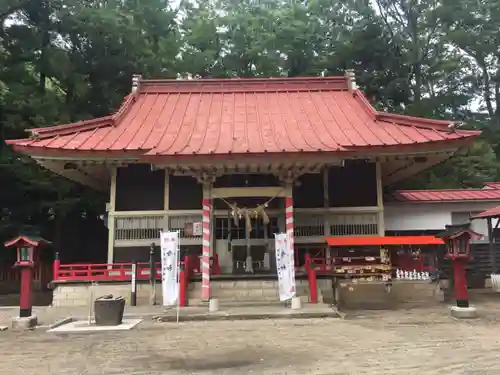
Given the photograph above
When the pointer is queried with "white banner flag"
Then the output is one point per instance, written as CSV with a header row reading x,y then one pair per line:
x,y
285,265
170,249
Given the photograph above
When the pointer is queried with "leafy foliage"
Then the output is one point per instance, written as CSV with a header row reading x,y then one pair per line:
x,y
67,60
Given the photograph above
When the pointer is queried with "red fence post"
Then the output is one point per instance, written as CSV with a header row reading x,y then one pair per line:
x,y
55,267
182,285
313,288
215,266
183,282
311,276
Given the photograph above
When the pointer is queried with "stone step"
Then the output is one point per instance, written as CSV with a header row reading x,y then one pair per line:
x,y
264,291
242,301
256,293
250,297
244,284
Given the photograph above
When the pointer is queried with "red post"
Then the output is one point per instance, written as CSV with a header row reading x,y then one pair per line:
x,y
311,276
183,283
460,283
313,286
215,265
56,265
182,288
25,306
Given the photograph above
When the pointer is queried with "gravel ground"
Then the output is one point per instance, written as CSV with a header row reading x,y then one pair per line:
x,y
418,341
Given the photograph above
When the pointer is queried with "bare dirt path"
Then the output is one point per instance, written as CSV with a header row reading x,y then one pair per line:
x,y
423,341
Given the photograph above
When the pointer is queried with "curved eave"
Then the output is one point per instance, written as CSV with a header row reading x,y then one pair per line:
x,y
80,126
492,213
404,120
25,239
432,146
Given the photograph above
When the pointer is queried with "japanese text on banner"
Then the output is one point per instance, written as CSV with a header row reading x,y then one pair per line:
x,y
285,266
170,267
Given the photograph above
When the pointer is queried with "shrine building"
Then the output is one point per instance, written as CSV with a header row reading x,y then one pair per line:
x,y
231,162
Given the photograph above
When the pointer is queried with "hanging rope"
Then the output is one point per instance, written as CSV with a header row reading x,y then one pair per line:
x,y
249,213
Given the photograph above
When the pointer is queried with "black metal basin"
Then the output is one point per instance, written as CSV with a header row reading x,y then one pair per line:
x,y
109,310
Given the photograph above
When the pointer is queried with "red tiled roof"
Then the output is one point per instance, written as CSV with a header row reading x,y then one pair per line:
x,y
445,195
492,212
241,116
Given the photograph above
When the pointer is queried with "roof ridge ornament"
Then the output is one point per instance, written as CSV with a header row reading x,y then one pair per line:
x,y
350,76
136,80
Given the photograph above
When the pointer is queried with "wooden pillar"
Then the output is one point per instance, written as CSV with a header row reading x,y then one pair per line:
x,y
207,241
281,216
380,200
166,194
248,257
326,201
326,204
266,260
111,216
491,246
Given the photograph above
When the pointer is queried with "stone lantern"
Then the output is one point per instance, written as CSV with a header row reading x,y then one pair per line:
x,y
457,240
27,245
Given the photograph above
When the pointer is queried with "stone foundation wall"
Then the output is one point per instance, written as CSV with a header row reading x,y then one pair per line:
x,y
74,294
237,291
325,291
350,295
374,296
245,291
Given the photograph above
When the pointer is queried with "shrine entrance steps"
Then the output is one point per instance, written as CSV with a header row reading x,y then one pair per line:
x,y
245,292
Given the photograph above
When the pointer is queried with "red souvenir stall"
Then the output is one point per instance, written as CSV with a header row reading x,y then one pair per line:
x,y
368,257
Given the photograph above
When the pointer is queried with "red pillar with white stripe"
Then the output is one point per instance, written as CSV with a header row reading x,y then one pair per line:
x,y
289,225
207,243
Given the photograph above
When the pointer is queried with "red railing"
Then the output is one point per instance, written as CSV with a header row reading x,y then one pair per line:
x,y
195,264
190,266
322,265
418,263
103,272
122,271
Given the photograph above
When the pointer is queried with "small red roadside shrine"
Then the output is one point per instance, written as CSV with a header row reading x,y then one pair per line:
x,y
27,246
457,239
